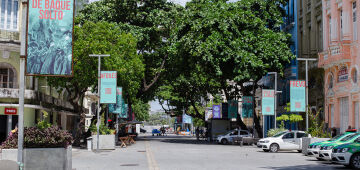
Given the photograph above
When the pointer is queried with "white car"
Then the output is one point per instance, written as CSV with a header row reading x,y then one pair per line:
x,y
229,136
286,140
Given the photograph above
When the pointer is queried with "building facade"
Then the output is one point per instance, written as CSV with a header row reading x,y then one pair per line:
x,y
340,60
42,102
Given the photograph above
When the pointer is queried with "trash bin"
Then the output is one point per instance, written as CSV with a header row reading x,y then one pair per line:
x,y
89,143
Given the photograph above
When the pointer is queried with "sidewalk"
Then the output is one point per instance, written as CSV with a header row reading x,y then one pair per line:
x,y
131,157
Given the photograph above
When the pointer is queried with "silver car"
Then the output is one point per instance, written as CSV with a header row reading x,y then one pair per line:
x,y
231,135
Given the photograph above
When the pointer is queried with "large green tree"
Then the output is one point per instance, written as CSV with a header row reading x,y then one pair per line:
x,y
231,42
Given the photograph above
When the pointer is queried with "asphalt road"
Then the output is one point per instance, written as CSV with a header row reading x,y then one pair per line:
x,y
185,153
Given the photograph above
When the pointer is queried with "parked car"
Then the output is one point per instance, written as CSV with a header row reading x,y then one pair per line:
x,y
347,154
233,134
314,148
156,132
326,149
286,140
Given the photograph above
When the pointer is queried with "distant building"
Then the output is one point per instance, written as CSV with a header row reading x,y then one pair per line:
x,y
340,59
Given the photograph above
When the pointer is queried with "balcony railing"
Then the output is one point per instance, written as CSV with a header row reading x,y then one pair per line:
x,y
335,54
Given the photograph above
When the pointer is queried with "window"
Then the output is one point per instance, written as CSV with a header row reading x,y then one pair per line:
x,y
331,82
300,135
341,24
9,14
243,133
6,78
289,135
354,21
354,76
330,29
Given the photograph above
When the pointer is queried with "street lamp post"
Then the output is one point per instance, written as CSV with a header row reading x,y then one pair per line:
x,y
99,86
275,96
307,88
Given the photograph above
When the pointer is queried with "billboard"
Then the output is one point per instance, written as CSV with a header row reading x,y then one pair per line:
x,y
49,42
187,119
297,96
247,106
216,111
268,102
233,109
108,86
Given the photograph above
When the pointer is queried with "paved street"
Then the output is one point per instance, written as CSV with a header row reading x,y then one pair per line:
x,y
183,153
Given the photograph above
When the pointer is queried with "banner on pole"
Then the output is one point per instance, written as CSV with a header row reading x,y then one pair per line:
x,y
124,113
108,87
268,102
117,108
233,109
208,113
187,119
297,96
216,111
49,43
247,106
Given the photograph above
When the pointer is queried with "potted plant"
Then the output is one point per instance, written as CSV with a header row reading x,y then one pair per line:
x,y
106,137
45,147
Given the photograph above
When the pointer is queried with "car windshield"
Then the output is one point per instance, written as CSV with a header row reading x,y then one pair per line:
x,y
348,137
279,134
336,137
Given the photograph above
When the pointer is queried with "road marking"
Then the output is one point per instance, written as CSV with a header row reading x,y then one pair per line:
x,y
152,164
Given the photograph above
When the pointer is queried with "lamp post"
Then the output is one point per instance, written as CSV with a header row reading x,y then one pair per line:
x,y
253,105
275,96
99,86
307,88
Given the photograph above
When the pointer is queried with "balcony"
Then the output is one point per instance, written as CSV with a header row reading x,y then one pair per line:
x,y
334,55
14,93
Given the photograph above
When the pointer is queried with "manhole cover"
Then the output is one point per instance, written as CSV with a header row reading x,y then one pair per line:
x,y
141,151
129,165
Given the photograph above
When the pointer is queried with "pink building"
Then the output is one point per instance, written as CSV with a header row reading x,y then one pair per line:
x,y
341,62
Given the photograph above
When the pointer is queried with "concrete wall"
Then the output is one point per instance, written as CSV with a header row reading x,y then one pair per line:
x,y
48,158
9,154
105,142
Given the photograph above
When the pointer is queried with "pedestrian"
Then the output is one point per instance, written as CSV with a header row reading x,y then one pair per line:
x,y
197,132
333,133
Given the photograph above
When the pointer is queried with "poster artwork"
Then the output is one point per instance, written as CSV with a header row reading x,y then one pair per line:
x,y
247,106
49,37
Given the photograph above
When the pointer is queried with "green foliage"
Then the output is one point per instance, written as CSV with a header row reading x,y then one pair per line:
x,y
103,129
159,118
141,110
34,137
273,132
317,126
292,118
43,124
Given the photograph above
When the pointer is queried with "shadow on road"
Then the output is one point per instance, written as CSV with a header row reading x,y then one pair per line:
x,y
308,167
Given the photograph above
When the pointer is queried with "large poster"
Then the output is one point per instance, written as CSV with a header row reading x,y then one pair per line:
x,y
247,106
268,102
233,109
49,37
108,87
216,111
297,96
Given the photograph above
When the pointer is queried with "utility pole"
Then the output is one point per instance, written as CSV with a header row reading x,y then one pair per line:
x,y
275,96
307,88
22,83
99,87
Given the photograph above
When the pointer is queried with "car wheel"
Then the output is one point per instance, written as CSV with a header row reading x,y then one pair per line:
x,y
319,159
274,147
152,134
224,141
266,150
355,161
299,151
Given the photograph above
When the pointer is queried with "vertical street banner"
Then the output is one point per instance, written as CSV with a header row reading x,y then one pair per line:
x,y
187,119
216,112
233,109
247,106
118,107
108,81
124,113
268,102
49,42
208,114
297,96
224,109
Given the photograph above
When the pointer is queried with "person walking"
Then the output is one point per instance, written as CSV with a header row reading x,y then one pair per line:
x,y
197,132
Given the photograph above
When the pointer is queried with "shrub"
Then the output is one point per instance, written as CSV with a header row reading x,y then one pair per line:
x,y
103,129
273,132
34,137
